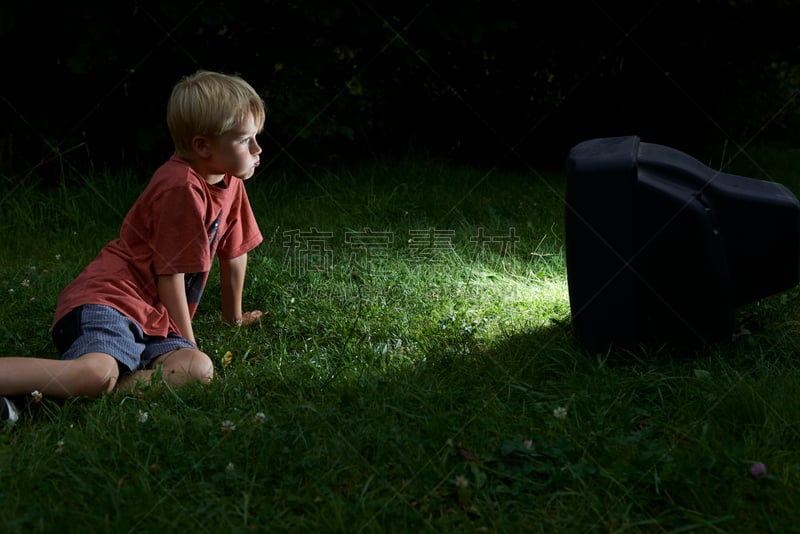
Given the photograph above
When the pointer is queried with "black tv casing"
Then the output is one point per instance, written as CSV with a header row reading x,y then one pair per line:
x,y
662,249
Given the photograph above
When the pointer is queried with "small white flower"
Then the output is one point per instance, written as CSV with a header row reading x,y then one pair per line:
x,y
36,396
230,467
25,283
228,426
58,257
461,481
260,417
142,416
560,412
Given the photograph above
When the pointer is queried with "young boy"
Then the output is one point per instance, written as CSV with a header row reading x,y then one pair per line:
x,y
130,310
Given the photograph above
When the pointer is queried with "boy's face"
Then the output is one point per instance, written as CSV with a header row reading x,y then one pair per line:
x,y
236,152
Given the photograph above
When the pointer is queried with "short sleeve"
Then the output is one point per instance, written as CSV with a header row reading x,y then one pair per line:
x,y
242,233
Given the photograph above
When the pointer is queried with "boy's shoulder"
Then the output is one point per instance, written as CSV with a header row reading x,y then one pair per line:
x,y
177,183
175,169
175,173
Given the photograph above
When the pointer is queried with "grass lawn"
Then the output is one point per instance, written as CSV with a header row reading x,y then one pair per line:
x,y
416,372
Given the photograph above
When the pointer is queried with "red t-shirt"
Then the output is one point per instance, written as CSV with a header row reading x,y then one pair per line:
x,y
177,225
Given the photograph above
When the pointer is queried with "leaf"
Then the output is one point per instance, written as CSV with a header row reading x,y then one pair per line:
x,y
702,374
511,447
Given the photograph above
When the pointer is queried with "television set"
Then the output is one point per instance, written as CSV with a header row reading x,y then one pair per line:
x,y
661,249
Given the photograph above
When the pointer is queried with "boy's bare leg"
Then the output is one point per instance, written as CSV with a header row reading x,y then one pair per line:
x,y
90,375
177,368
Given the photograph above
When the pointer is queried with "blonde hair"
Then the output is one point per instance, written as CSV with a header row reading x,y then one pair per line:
x,y
210,104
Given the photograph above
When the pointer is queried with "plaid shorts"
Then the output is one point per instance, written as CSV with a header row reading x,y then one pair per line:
x,y
96,328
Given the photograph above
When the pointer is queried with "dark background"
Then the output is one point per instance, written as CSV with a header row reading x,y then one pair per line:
x,y
507,83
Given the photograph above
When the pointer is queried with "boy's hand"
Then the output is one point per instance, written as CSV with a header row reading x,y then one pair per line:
x,y
248,318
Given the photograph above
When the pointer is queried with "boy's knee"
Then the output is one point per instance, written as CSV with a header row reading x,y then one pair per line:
x,y
191,365
95,374
202,368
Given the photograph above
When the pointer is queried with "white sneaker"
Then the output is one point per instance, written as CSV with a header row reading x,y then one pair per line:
x,y
8,411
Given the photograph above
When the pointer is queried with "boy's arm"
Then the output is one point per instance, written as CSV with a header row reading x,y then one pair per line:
x,y
172,292
231,273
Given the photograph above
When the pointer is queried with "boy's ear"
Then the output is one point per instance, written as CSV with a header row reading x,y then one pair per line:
x,y
201,146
